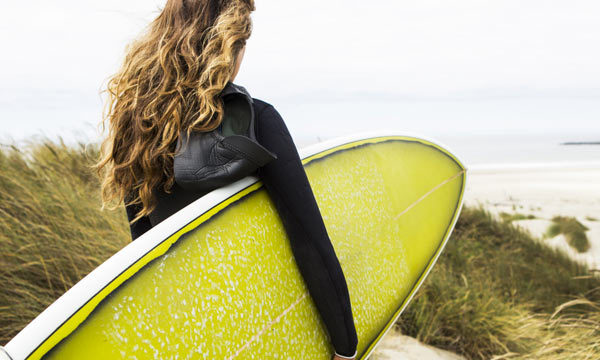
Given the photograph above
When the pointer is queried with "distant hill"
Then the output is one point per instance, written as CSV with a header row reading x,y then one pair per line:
x,y
581,143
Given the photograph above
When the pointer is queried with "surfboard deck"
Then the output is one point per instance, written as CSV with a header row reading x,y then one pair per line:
x,y
218,280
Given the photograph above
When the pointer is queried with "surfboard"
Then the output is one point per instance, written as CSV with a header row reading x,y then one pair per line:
x,y
218,280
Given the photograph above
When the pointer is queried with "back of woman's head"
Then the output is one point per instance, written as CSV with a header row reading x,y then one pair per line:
x,y
170,81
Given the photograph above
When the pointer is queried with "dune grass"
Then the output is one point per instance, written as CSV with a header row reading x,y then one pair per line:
x,y
497,293
494,292
51,230
573,230
517,216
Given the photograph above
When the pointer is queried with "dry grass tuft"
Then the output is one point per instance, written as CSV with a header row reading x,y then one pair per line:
x,y
52,232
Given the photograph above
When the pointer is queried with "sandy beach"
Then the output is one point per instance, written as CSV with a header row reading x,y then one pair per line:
x,y
543,191
395,346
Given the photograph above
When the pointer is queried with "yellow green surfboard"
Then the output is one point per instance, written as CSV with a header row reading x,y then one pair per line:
x,y
218,279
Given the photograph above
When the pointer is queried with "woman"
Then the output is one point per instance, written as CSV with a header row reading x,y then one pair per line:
x,y
170,81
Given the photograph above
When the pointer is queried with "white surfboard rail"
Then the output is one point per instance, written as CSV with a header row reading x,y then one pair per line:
x,y
40,328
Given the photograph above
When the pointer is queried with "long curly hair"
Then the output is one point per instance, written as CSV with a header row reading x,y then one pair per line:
x,y
170,81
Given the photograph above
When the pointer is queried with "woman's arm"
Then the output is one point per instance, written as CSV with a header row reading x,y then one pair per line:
x,y
287,184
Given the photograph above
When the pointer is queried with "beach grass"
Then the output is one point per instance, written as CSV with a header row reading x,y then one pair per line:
x,y
573,230
52,233
498,293
516,216
495,292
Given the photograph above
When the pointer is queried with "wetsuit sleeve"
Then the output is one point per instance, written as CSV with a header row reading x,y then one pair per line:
x,y
139,227
287,185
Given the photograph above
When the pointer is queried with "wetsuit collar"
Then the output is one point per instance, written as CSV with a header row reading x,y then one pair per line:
x,y
231,88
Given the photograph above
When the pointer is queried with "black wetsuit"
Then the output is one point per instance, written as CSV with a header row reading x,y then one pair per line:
x,y
287,185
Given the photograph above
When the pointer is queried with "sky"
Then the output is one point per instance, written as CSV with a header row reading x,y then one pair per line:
x,y
333,67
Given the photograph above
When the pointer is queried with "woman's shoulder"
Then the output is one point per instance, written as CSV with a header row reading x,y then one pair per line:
x,y
262,107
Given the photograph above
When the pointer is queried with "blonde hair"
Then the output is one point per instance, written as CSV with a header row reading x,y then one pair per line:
x,y
170,81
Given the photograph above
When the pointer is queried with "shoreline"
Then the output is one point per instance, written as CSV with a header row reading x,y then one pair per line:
x,y
532,166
